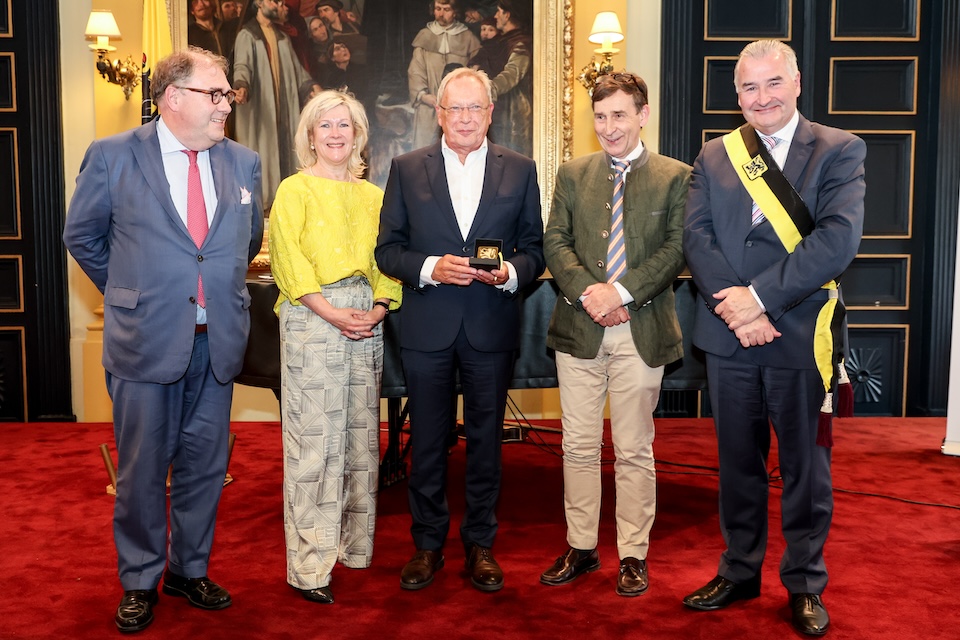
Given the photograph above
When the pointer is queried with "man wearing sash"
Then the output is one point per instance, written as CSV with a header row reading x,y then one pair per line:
x,y
774,216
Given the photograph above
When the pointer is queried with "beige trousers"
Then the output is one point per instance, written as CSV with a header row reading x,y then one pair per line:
x,y
634,390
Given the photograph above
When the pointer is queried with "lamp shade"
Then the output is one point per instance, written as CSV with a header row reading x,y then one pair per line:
x,y
102,24
606,28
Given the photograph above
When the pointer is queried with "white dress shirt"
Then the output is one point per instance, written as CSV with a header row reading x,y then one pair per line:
x,y
465,182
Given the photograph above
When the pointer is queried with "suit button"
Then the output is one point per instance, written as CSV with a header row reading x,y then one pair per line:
x,y
193,300
600,263
604,234
749,243
199,258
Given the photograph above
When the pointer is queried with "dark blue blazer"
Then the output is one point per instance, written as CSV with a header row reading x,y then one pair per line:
x,y
418,221
723,249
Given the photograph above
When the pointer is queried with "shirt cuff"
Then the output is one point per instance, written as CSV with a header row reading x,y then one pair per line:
x,y
763,309
512,282
426,271
624,294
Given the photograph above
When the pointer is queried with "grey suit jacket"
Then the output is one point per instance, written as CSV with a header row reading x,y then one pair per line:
x,y
124,231
825,166
576,241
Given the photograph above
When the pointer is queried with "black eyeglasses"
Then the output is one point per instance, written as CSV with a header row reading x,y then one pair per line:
x,y
216,95
456,110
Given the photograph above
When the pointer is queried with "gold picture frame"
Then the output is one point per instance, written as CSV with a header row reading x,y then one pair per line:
x,y
552,91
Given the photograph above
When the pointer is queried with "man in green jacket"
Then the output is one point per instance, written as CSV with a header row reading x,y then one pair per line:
x,y
613,245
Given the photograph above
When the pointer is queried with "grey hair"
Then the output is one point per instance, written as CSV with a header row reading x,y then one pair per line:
x,y
465,72
763,48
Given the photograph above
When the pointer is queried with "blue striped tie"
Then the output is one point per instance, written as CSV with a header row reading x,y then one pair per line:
x,y
616,251
756,216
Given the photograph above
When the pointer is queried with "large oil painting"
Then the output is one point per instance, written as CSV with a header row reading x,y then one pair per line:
x,y
391,54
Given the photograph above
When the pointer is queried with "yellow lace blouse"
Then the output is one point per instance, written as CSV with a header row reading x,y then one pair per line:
x,y
322,231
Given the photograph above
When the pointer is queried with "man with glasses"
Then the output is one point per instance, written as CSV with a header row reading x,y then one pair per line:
x,y
613,245
164,220
443,203
270,81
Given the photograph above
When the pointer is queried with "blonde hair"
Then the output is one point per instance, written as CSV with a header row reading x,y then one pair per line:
x,y
314,111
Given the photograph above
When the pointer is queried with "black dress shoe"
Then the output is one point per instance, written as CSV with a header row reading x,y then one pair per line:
x,y
720,592
485,573
323,595
200,592
570,565
632,580
808,614
135,612
418,573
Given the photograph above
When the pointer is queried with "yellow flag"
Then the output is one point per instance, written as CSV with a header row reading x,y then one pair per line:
x,y
157,43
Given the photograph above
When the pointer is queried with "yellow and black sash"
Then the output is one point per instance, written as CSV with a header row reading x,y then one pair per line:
x,y
791,219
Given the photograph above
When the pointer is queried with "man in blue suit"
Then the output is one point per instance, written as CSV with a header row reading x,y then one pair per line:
x,y
175,320
439,201
767,274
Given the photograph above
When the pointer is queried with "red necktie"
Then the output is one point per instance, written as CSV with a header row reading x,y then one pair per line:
x,y
196,214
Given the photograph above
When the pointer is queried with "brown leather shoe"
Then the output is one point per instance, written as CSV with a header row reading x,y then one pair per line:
x,y
632,580
571,565
808,614
418,573
485,573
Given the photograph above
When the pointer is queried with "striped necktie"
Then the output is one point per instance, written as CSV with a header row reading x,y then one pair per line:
x,y
616,250
196,214
756,215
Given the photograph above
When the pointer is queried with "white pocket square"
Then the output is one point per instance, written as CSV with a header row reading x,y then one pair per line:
x,y
244,196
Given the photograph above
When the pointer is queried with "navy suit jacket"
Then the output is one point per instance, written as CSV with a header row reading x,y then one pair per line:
x,y
722,249
124,231
418,221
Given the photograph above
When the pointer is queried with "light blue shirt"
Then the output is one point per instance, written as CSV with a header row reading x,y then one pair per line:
x,y
176,165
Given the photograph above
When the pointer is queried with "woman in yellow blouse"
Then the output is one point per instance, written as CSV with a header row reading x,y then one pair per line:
x,y
333,298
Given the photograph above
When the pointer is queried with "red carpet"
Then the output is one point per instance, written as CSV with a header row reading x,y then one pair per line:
x,y
894,566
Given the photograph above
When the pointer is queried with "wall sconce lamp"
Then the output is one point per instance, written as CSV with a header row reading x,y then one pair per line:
x,y
606,30
102,26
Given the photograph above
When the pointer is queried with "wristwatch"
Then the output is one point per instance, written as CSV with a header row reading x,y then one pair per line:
x,y
381,303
